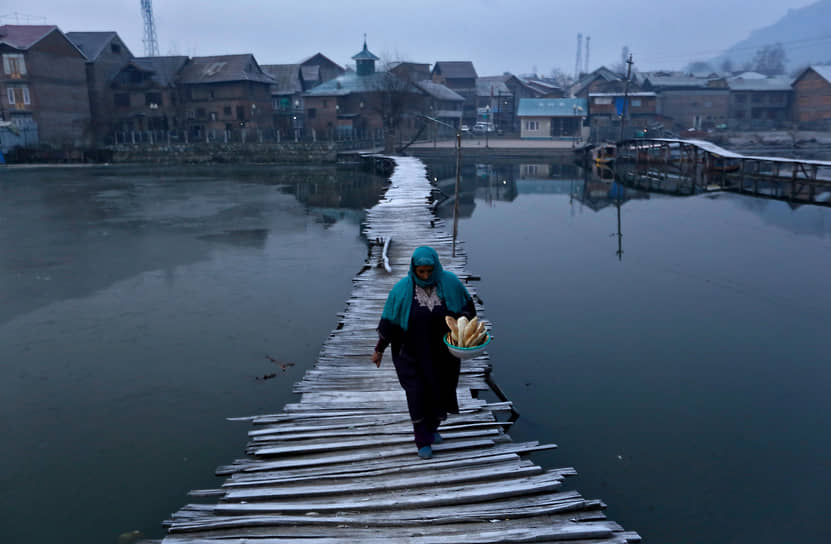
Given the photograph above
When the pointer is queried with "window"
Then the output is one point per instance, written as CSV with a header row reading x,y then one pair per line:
x,y
240,113
14,66
151,99
226,111
115,48
200,113
603,100
532,125
18,96
636,102
312,113
741,98
325,104
756,98
213,116
122,100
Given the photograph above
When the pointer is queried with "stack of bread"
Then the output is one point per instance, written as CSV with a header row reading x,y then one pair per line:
x,y
466,333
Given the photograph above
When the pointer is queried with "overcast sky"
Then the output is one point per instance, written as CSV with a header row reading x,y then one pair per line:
x,y
497,35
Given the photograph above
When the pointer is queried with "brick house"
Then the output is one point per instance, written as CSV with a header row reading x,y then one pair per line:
x,y
365,104
146,103
106,54
291,81
459,76
760,103
225,94
686,101
605,110
812,97
44,86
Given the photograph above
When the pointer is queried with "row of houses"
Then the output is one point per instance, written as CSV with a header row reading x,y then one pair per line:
x,y
86,88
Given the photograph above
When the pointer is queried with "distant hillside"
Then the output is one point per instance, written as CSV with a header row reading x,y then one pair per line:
x,y
805,34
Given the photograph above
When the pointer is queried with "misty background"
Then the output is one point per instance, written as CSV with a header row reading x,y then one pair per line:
x,y
529,36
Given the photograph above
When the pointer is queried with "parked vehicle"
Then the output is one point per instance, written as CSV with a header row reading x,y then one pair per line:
x,y
465,129
482,127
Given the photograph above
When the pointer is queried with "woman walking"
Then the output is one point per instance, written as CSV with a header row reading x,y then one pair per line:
x,y
413,324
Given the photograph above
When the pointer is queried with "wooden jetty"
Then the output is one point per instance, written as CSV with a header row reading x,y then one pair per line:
x,y
340,465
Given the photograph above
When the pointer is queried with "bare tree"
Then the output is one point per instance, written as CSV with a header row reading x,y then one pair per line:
x,y
727,66
563,80
397,101
770,60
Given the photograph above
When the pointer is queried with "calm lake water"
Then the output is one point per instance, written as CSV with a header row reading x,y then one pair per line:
x,y
682,366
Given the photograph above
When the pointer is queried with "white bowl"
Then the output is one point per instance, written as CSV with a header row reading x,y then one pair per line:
x,y
467,353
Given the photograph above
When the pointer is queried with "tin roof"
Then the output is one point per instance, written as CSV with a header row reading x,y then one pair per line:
x,y
455,69
286,77
92,44
351,82
224,68
364,54
767,84
822,70
439,91
164,69
491,86
552,107
24,36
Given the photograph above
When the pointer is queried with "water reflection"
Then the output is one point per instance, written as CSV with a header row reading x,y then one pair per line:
x,y
90,228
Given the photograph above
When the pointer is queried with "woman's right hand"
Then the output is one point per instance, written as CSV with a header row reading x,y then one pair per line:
x,y
376,358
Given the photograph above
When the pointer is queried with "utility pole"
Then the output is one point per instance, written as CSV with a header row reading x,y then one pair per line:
x,y
625,95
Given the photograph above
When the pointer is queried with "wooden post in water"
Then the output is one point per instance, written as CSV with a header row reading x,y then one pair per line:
x,y
458,183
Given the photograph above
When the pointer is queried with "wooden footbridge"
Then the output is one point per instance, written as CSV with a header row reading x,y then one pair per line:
x,y
340,465
704,164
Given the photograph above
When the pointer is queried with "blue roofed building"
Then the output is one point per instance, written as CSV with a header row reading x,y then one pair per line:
x,y
552,118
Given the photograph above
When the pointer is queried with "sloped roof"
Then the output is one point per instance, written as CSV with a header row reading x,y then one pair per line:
x,y
455,69
552,107
822,70
491,86
24,36
364,54
600,73
439,91
351,82
307,61
311,73
767,84
92,44
164,69
224,68
286,78
675,81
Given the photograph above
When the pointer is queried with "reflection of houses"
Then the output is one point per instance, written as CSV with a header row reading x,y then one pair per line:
x,y
552,118
759,103
145,97
460,76
290,82
225,93
812,97
44,85
688,101
106,55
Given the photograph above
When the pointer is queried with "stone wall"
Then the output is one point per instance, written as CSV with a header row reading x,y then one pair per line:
x,y
319,152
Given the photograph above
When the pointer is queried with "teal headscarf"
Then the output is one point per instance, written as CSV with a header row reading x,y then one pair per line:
x,y
449,288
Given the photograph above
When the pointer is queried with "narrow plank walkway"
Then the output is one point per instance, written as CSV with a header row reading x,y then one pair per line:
x,y
341,465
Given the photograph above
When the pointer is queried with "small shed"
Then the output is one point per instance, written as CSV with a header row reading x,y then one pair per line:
x,y
552,118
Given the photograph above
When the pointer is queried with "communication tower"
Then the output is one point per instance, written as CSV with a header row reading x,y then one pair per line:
x,y
579,61
588,42
151,45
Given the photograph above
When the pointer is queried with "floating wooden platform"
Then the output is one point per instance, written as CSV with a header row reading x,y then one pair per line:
x,y
340,465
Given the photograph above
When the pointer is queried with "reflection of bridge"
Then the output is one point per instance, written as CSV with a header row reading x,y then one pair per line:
x,y
705,165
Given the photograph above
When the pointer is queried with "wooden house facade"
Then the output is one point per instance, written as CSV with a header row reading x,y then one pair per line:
x,y
686,101
146,99
225,94
106,55
760,103
812,98
44,86
459,76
